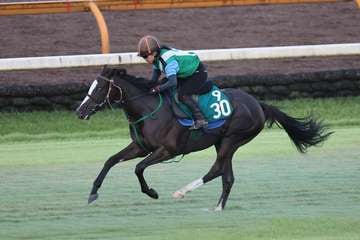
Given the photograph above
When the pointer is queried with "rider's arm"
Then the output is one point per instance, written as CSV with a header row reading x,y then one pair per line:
x,y
171,70
155,74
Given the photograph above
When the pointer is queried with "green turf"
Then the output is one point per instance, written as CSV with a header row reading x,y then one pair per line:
x,y
278,193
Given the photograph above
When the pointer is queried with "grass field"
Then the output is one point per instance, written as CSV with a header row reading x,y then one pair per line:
x,y
278,193
45,180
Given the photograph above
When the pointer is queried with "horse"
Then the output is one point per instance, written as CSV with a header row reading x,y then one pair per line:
x,y
157,136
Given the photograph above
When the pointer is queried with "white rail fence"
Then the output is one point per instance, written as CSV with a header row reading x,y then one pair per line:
x,y
71,61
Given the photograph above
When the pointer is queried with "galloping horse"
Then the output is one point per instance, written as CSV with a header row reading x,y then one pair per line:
x,y
157,136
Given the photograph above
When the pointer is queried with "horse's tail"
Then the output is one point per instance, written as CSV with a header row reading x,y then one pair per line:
x,y
304,132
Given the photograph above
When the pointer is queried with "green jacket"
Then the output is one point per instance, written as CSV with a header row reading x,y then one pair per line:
x,y
188,61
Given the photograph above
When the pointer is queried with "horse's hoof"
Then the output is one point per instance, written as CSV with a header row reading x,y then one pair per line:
x,y
152,193
178,195
92,198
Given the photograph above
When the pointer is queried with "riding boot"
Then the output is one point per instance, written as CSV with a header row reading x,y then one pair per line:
x,y
200,120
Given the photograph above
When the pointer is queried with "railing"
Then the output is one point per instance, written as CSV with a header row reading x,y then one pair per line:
x,y
323,50
130,58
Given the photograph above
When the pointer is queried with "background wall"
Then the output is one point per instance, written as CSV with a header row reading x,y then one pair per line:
x,y
248,26
274,86
289,86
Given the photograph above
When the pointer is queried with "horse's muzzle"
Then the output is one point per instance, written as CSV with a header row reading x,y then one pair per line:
x,y
82,115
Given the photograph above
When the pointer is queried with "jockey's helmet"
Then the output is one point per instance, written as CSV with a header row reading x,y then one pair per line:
x,y
148,45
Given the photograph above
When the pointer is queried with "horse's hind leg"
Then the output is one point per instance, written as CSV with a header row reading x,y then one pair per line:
x,y
225,151
223,159
221,167
227,182
215,171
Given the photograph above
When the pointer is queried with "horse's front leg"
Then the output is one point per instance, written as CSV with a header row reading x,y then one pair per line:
x,y
159,155
130,152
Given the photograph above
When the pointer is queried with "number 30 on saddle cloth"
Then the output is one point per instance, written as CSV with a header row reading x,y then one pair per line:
x,y
215,106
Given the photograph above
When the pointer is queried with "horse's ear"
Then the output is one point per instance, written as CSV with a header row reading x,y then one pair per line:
x,y
104,69
107,71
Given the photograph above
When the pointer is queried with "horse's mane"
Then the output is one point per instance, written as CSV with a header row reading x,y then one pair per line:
x,y
143,84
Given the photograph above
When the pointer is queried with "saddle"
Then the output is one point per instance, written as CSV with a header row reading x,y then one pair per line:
x,y
215,106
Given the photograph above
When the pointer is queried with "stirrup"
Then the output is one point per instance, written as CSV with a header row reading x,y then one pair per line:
x,y
199,124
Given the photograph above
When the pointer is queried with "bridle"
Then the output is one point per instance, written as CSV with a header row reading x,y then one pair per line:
x,y
121,100
107,98
112,84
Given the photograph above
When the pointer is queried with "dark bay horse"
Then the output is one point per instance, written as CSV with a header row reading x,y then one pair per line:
x,y
157,136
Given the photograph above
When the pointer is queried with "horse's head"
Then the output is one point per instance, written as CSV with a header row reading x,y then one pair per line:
x,y
101,90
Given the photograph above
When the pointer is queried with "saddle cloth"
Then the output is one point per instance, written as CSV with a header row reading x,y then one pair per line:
x,y
215,106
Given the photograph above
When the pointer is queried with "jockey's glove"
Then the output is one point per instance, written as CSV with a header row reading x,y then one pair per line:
x,y
155,90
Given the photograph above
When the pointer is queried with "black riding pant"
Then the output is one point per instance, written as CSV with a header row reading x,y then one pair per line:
x,y
195,84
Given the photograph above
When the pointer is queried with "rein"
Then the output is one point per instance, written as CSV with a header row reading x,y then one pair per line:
x,y
134,98
133,124
138,137
150,114
121,100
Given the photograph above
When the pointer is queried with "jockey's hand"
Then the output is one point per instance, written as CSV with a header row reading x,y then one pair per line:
x,y
155,90
163,80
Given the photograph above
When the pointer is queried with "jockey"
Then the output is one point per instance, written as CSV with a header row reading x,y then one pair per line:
x,y
182,69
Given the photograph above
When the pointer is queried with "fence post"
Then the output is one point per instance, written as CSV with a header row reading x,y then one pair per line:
x,y
105,46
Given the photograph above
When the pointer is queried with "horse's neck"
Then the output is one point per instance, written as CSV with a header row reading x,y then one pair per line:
x,y
141,107
139,104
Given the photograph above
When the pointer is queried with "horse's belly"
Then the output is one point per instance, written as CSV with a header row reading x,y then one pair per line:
x,y
198,140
